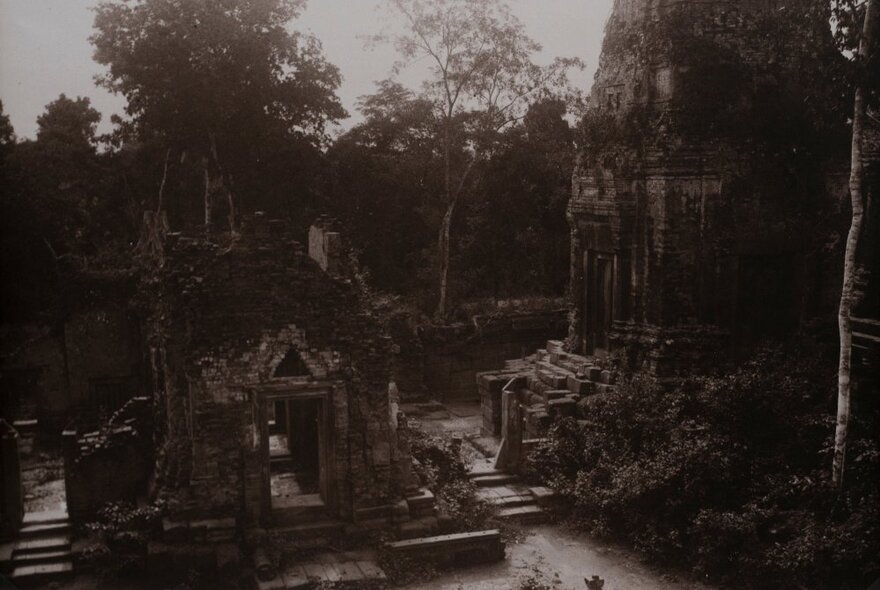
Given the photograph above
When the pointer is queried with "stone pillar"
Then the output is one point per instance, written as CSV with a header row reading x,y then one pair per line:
x,y
510,451
76,504
325,246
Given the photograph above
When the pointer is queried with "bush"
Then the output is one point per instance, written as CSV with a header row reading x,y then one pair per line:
x,y
728,475
441,468
120,536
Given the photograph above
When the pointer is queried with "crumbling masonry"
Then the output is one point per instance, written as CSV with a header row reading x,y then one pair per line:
x,y
237,325
708,209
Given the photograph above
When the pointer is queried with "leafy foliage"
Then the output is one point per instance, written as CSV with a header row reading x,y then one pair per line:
x,y
228,87
444,472
386,173
727,474
59,204
120,535
483,79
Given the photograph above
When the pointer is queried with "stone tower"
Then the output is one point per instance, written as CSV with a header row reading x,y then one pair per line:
x,y
710,195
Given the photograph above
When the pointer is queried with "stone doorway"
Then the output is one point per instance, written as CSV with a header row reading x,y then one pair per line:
x,y
296,438
598,302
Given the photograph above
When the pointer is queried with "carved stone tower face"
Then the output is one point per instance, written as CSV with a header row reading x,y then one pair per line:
x,y
696,201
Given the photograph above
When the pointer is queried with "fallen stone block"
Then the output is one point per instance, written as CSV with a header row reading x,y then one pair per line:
x,y
580,386
456,549
554,394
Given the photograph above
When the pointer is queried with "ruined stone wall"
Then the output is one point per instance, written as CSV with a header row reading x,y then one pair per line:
x,y
89,353
111,463
224,315
32,373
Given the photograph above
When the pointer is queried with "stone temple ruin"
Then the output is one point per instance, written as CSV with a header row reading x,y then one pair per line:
x,y
247,383
688,248
264,406
272,378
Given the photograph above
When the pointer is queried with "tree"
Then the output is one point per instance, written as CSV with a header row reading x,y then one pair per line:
x,y
49,202
7,134
220,83
517,238
866,60
385,174
58,172
482,80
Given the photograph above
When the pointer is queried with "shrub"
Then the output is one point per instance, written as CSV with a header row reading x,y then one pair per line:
x,y
120,536
727,474
442,469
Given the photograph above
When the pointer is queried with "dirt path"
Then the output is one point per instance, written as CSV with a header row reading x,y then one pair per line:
x,y
563,559
549,552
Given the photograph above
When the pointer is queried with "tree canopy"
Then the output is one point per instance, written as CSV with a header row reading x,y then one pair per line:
x,y
482,79
225,82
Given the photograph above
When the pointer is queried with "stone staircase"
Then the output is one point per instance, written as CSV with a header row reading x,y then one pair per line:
x,y
42,553
514,501
548,385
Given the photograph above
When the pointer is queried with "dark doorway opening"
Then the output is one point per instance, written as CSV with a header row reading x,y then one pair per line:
x,y
598,302
295,450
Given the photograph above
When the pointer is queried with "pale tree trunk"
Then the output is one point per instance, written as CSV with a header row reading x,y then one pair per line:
x,y
847,294
215,182
162,184
443,238
225,185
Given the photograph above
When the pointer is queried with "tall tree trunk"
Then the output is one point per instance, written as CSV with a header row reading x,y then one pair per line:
x,y
443,242
164,178
443,238
847,295
225,182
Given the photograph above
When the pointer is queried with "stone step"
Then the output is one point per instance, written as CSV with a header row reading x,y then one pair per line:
x,y
39,529
45,517
26,427
293,516
311,531
35,557
510,501
485,472
53,543
554,346
555,377
544,496
550,378
499,479
41,574
529,514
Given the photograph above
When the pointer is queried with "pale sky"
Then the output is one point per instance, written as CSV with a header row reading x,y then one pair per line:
x,y
44,49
